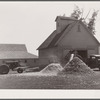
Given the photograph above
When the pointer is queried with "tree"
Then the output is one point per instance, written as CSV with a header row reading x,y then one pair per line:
x,y
76,13
91,24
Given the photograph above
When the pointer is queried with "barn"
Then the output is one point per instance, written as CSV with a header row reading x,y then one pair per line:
x,y
70,34
16,52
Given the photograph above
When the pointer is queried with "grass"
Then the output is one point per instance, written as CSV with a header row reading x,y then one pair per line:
x,y
37,81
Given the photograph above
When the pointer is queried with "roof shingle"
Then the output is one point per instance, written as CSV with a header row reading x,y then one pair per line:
x,y
54,38
16,55
15,51
13,47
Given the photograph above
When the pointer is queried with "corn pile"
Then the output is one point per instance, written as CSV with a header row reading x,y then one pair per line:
x,y
76,66
52,68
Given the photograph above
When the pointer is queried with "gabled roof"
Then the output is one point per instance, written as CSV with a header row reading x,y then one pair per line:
x,y
55,37
16,55
13,47
90,33
79,21
65,18
15,51
48,40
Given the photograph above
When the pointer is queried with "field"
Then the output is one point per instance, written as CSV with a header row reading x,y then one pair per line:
x,y
37,80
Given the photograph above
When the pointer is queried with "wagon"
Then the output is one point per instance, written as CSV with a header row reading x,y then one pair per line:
x,y
11,65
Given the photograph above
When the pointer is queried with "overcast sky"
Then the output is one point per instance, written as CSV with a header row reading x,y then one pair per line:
x,y
31,23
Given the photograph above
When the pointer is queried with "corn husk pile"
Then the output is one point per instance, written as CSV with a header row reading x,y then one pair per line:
x,y
52,68
76,66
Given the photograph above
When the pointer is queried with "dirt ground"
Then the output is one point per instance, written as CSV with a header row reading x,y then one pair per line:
x,y
36,80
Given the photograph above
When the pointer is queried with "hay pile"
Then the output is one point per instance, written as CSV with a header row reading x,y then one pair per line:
x,y
52,68
76,66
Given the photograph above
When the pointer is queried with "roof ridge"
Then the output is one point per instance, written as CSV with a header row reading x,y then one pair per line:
x,y
90,32
46,39
57,36
70,27
17,55
13,47
84,27
65,18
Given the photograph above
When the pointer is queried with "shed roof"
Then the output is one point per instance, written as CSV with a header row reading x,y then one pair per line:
x,y
13,47
16,55
15,51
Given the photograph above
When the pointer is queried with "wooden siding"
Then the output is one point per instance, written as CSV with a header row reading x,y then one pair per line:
x,y
77,40
44,53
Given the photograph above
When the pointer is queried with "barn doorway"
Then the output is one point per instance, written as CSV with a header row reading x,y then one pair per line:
x,y
83,54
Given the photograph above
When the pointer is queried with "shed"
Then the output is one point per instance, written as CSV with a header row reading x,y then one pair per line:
x,y
16,52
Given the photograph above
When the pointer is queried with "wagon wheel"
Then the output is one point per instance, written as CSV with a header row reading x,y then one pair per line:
x,y
20,70
4,69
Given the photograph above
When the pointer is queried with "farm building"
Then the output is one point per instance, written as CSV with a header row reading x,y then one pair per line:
x,y
70,34
16,52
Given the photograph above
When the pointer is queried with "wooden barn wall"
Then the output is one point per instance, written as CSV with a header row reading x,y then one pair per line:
x,y
46,53
92,51
52,54
78,39
99,50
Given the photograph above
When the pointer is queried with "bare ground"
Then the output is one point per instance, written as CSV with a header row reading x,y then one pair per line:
x,y
37,80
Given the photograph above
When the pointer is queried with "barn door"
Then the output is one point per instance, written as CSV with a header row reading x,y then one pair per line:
x,y
83,54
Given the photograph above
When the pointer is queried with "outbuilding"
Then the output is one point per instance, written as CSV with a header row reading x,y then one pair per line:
x,y
16,52
70,34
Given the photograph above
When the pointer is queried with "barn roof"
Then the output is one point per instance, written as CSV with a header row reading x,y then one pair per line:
x,y
16,55
48,40
54,38
13,47
59,35
79,21
15,51
65,18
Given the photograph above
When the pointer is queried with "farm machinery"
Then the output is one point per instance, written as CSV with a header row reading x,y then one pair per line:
x,y
16,66
94,61
11,65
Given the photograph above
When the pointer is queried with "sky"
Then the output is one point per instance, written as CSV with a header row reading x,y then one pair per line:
x,y
31,22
